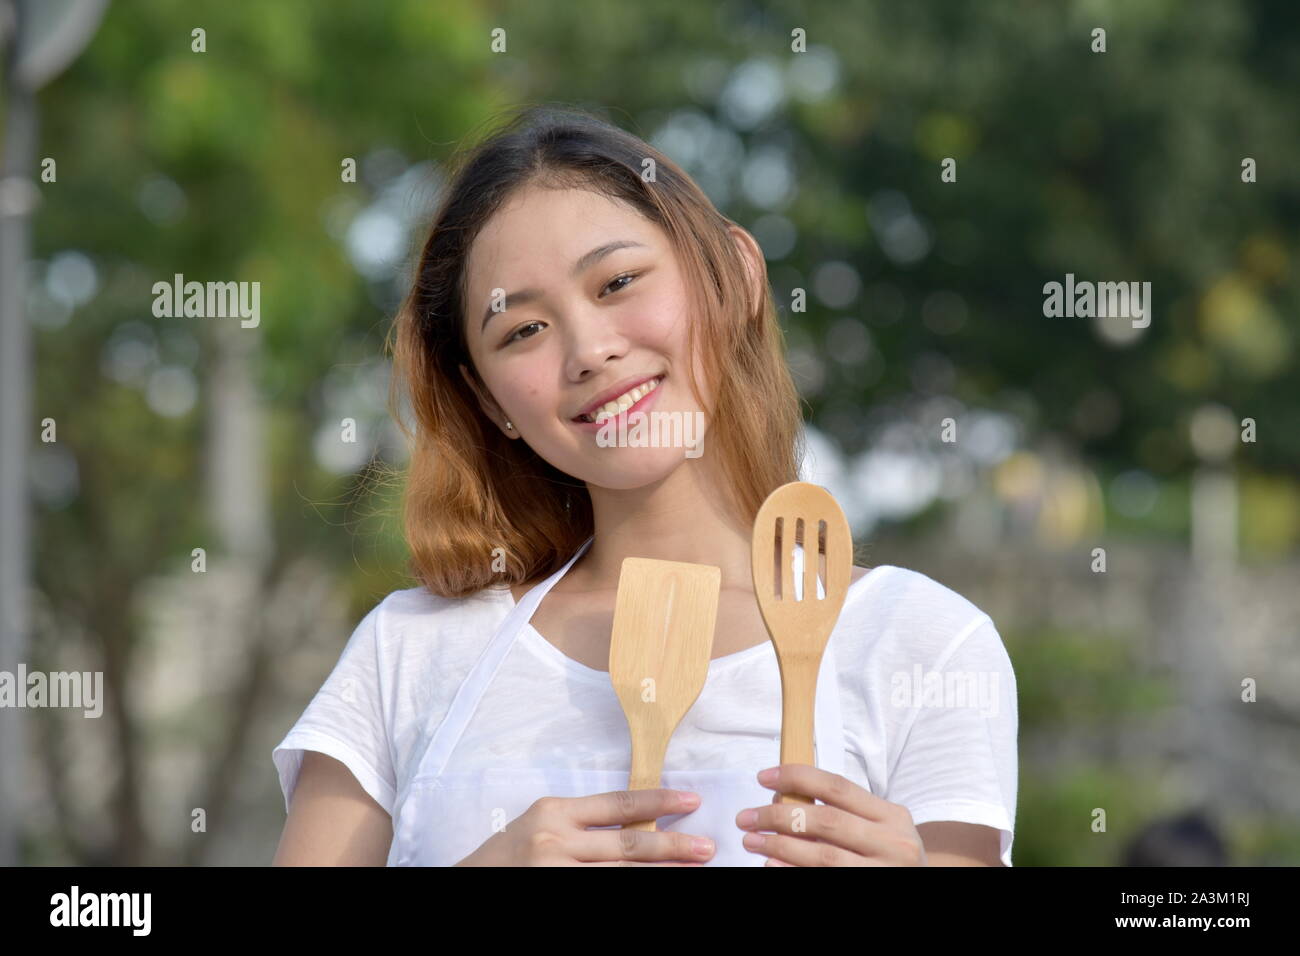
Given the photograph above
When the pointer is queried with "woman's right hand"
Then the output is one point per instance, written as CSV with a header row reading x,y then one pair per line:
x,y
553,832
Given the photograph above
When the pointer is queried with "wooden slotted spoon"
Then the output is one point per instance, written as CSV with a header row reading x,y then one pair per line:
x,y
800,629
659,654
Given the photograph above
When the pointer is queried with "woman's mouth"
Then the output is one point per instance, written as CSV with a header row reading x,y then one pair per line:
x,y
636,399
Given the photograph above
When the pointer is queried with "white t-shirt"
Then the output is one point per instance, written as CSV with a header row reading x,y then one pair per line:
x,y
927,695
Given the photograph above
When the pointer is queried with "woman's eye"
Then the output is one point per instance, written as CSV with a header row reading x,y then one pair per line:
x,y
516,334
628,275
520,329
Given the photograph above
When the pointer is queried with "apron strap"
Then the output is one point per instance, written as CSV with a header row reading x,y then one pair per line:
x,y
828,721
473,687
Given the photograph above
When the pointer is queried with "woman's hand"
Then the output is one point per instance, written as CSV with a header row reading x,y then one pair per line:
x,y
554,832
853,828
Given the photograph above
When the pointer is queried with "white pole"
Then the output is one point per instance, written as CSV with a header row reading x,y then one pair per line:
x,y
18,197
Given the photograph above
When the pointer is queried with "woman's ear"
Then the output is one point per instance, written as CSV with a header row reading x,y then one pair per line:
x,y
485,402
752,255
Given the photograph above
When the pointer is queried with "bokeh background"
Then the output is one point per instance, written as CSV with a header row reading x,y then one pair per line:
x,y
924,302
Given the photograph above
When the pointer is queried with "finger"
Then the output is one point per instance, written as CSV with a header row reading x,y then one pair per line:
x,y
640,846
619,807
572,862
794,851
640,863
825,824
831,789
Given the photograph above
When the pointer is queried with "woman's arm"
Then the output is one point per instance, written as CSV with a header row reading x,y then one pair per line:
x,y
332,820
949,843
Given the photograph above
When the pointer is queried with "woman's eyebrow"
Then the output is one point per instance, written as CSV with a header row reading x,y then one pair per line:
x,y
585,262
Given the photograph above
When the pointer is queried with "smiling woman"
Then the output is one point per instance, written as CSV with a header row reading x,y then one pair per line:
x,y
555,243
471,720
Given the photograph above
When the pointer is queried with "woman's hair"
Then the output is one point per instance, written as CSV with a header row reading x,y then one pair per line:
x,y
481,509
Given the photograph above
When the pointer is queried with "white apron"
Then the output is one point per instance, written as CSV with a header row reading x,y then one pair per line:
x,y
442,817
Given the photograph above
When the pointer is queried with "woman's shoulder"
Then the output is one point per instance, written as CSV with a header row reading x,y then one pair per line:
x,y
418,613
420,600
910,612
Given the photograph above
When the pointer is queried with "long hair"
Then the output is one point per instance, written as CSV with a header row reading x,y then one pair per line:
x,y
480,509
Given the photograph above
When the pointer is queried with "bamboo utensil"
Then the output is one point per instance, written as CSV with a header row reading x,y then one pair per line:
x,y
659,654
808,514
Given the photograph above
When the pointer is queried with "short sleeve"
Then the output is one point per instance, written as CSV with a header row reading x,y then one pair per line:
x,y
346,720
958,760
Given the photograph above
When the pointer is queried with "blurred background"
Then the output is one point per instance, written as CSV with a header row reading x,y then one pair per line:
x,y
1159,677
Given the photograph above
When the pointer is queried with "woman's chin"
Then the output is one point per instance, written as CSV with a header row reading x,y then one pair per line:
x,y
628,469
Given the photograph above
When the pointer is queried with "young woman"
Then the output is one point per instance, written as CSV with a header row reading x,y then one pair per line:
x,y
574,272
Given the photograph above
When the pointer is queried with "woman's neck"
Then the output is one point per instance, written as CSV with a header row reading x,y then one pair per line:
x,y
681,518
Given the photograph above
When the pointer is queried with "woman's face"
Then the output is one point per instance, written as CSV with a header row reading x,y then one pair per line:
x,y
589,303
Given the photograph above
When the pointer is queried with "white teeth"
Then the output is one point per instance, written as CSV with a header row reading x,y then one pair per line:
x,y
624,401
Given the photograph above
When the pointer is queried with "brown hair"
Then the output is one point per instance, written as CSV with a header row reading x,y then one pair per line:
x,y
469,488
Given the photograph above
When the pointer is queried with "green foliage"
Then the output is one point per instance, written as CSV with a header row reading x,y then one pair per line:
x,y
1055,816
1074,683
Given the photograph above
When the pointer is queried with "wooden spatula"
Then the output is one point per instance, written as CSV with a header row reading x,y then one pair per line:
x,y
659,654
806,514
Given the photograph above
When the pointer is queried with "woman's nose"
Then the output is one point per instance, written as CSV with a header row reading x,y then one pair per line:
x,y
592,341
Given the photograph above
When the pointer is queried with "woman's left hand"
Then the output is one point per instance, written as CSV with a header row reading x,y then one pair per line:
x,y
851,827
